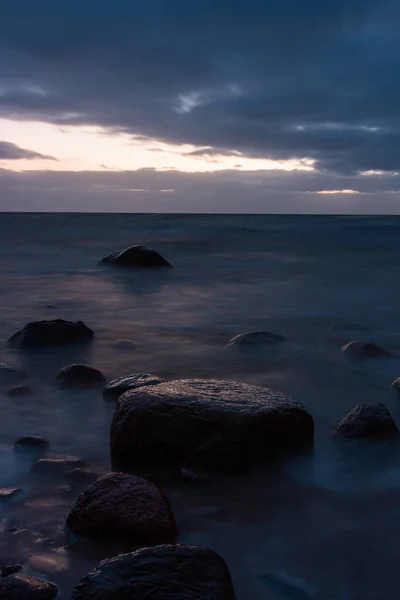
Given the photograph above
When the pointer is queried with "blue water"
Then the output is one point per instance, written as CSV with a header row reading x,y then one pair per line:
x,y
327,527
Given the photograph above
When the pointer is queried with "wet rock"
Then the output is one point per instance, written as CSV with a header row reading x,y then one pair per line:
x,y
125,345
32,443
26,587
21,391
255,339
42,334
80,376
56,465
51,306
159,573
125,507
364,351
11,570
116,388
206,424
189,476
9,493
81,476
136,256
10,375
367,421
396,384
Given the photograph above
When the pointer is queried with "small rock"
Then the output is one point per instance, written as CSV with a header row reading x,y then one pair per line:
x,y
255,339
126,345
42,334
396,384
56,465
9,493
21,391
116,388
32,443
11,570
137,256
364,351
162,572
81,476
64,490
51,306
26,587
10,375
189,476
80,376
121,506
367,421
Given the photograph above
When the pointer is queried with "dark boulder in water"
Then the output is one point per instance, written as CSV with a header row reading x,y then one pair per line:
x,y
125,507
80,376
255,339
364,351
207,424
21,391
11,569
10,375
32,443
366,421
159,573
116,388
81,476
26,587
138,257
42,334
9,494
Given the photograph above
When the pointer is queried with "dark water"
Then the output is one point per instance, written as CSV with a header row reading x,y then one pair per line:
x,y
325,528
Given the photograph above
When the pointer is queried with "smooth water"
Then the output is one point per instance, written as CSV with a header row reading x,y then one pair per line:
x,y
325,527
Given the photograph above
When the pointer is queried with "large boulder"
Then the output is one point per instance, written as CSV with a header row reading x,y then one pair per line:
x,y
42,334
125,507
136,256
255,339
116,388
367,421
159,573
80,376
25,587
364,351
208,424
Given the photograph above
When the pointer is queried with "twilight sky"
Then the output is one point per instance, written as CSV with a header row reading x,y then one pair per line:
x,y
215,106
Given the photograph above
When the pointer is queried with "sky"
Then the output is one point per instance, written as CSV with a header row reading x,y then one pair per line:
x,y
260,106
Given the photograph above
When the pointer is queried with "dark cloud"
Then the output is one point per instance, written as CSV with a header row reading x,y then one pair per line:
x,y
276,79
10,151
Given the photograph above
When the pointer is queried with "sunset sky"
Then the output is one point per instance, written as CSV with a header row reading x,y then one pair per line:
x,y
215,106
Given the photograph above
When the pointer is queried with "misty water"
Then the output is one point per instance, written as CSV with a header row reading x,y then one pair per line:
x,y
326,526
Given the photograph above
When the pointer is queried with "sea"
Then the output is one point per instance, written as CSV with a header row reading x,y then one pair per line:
x,y
326,526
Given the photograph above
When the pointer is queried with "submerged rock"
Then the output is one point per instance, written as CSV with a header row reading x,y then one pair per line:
x,y
116,388
364,351
159,573
9,493
136,256
21,391
208,424
125,345
121,506
255,339
56,465
81,476
80,376
10,375
32,443
367,421
396,384
26,587
42,334
11,570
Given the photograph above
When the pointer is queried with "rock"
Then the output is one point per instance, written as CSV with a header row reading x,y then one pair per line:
x,y
124,507
396,384
255,339
81,476
9,493
364,351
126,345
116,388
206,424
137,256
11,570
159,573
51,306
10,375
21,391
26,587
80,376
56,465
367,421
32,443
42,334
188,476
